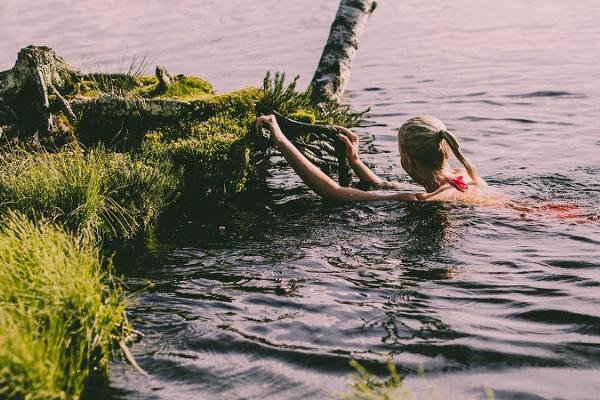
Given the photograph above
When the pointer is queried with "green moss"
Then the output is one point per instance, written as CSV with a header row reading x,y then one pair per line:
x,y
239,103
213,156
60,313
84,88
217,164
187,87
181,88
101,195
63,127
304,116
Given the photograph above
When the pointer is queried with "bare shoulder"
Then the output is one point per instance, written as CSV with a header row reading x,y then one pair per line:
x,y
479,193
393,185
482,195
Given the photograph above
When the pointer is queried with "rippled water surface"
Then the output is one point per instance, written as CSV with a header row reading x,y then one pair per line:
x,y
270,299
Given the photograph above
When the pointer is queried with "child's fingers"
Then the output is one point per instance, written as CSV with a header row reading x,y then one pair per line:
x,y
258,123
344,140
344,129
265,119
353,136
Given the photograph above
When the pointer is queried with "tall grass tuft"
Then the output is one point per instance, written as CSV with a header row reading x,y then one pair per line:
x,y
102,195
59,313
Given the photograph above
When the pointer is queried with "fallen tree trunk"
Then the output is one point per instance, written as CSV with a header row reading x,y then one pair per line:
x,y
39,74
333,72
45,101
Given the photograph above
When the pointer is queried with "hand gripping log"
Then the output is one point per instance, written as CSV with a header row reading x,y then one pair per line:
x,y
327,135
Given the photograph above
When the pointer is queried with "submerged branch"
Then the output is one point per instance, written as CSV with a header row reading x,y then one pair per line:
x,y
130,359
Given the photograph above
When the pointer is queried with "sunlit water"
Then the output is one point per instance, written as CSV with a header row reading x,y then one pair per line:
x,y
270,299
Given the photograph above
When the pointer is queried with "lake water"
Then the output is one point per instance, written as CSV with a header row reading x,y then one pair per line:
x,y
270,299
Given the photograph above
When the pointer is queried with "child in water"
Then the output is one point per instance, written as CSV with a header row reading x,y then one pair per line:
x,y
425,146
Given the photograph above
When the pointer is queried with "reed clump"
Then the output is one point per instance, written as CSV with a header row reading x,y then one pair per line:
x,y
60,311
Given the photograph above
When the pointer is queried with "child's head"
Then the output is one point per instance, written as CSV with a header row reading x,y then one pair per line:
x,y
425,145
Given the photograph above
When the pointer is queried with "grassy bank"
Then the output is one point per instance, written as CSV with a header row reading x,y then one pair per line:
x,y
101,195
59,312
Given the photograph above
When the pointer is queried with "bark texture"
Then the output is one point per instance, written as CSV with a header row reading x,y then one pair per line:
x,y
335,66
41,84
37,73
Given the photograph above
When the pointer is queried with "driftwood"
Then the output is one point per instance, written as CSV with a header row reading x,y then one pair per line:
x,y
333,72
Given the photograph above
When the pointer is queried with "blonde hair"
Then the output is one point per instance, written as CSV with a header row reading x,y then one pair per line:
x,y
426,140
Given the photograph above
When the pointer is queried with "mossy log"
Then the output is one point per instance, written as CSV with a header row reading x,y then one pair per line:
x,y
45,99
42,83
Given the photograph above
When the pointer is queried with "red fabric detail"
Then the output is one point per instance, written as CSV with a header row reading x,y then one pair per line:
x,y
458,183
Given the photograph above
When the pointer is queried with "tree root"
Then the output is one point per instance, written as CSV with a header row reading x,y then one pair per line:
x,y
130,359
64,104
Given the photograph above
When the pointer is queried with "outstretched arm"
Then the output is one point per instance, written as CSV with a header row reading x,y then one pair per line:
x,y
316,179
